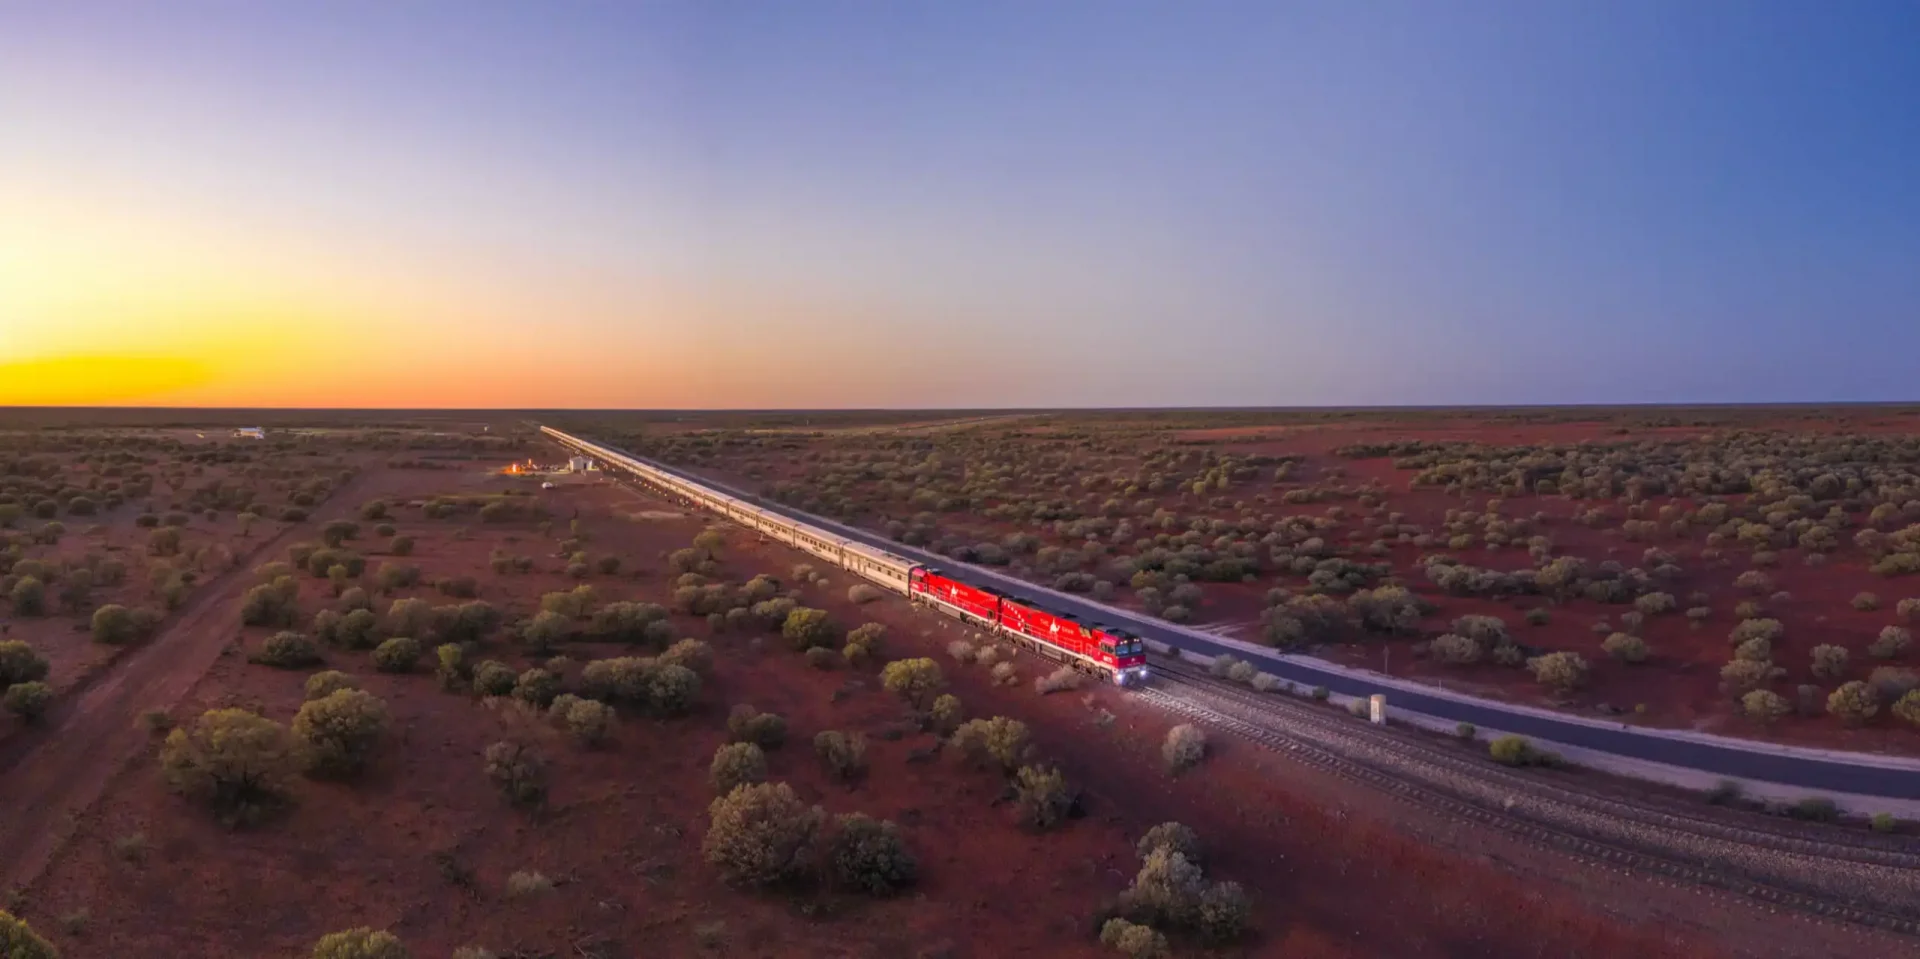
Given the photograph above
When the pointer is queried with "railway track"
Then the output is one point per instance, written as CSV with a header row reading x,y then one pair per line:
x,y
1849,877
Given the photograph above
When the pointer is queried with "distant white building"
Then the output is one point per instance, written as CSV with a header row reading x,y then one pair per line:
x,y
251,433
579,464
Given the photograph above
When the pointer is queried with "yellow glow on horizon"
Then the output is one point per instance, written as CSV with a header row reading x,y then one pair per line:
x,y
96,380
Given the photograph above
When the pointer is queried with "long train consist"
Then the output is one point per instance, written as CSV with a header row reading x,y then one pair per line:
x,y
1114,654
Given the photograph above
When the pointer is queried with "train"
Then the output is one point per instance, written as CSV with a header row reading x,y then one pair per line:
x,y
1113,654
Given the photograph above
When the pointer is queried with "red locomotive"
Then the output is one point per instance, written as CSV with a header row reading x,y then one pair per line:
x,y
1103,650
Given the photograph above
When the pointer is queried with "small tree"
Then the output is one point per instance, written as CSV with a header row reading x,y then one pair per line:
x,y
362,943
762,834
1183,748
844,754
807,628
117,625
29,597
287,650
1000,740
239,763
1765,705
519,772
340,731
1829,661
946,714
323,684
749,725
1908,707
536,687
868,854
735,765
1625,648
1854,703
1171,836
1043,795
914,680
28,700
1133,940
690,653
397,655
18,940
1892,641
19,663
1562,670
588,721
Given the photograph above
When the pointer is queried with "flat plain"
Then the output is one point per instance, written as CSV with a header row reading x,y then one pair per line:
x,y
494,718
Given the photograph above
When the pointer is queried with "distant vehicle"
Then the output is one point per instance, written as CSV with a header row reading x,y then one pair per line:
x,y
251,433
546,485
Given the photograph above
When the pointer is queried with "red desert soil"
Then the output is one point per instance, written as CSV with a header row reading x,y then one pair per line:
x,y
423,845
1677,687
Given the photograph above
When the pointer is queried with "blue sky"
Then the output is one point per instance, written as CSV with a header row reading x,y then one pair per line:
x,y
972,204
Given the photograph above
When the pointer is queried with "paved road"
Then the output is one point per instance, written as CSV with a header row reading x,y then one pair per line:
x,y
1857,773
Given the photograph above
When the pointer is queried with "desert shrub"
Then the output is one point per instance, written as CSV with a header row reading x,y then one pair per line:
x,y
745,724
1133,940
409,617
1625,648
19,941
1171,836
1767,629
362,943
1740,676
1183,748
588,721
820,657
946,714
340,731
1043,796
690,653
735,765
1892,641
1891,683
270,604
576,603
1909,609
1000,740
844,754
914,680
1562,670
1388,609
1170,890
397,655
1829,661
1907,707
28,700
1004,674
808,628
536,687
464,622
761,834
518,771
862,593
1814,809
117,625
29,596
1653,604
868,855
1854,703
1765,705
672,689
450,666
1866,602
20,663
1512,751
1064,679
287,650
1456,650
239,763
494,678
545,631
323,684
623,622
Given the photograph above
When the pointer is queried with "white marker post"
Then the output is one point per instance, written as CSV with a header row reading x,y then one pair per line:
x,y
1379,702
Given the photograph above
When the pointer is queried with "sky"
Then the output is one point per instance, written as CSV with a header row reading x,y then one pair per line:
x,y
829,203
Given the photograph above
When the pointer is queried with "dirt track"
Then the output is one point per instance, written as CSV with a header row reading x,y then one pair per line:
x,y
54,773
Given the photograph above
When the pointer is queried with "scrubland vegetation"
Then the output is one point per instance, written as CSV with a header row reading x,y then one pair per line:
x,y
1588,569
